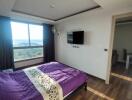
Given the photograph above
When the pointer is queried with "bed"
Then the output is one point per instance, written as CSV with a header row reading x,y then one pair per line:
x,y
17,86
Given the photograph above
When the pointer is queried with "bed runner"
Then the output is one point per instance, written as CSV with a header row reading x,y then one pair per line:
x,y
48,88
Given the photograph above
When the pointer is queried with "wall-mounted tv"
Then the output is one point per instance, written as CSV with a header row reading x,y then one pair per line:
x,y
75,37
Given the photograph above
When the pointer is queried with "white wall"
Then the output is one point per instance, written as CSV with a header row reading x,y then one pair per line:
x,y
123,38
90,57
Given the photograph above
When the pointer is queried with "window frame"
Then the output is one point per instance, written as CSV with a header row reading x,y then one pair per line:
x,y
29,42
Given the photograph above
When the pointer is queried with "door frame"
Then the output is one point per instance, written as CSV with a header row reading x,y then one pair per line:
x,y
114,18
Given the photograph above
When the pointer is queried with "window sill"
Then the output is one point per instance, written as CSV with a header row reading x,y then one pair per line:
x,y
29,62
27,59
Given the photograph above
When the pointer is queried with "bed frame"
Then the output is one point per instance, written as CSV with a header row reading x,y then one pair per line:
x,y
84,85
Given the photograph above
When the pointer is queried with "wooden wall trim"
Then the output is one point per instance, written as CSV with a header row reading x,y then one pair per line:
x,y
79,12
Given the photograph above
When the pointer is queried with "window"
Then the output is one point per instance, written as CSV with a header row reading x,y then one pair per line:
x,y
20,34
27,40
36,39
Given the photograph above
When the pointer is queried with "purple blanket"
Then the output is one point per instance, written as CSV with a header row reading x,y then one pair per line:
x,y
17,86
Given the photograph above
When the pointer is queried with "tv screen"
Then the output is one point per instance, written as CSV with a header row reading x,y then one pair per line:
x,y
76,37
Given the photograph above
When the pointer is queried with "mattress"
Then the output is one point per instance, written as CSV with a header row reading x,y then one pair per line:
x,y
17,86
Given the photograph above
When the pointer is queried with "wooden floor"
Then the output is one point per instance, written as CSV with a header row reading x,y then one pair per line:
x,y
118,89
120,68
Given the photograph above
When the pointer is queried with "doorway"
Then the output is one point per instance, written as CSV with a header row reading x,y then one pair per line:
x,y
120,55
115,20
122,47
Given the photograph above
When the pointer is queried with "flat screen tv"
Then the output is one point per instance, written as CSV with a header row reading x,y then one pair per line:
x,y
76,37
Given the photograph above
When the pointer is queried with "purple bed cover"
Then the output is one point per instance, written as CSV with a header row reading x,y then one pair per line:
x,y
17,86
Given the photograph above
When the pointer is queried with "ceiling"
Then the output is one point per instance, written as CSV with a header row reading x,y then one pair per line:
x,y
52,9
6,6
55,9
